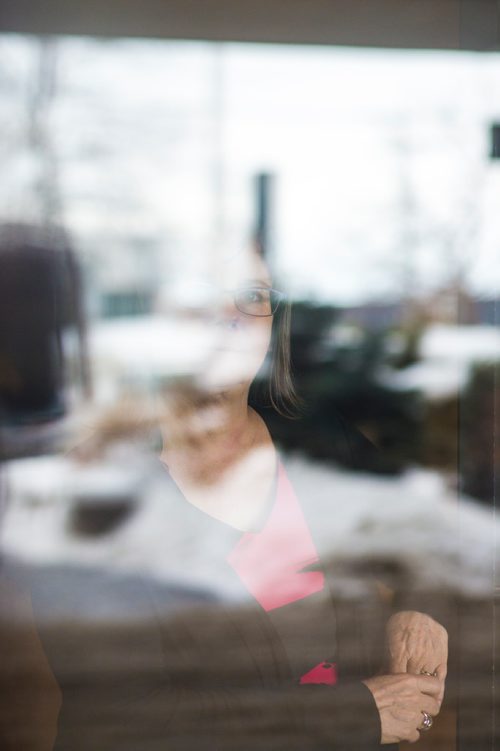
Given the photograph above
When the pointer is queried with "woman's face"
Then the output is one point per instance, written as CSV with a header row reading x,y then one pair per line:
x,y
230,346
223,322
238,324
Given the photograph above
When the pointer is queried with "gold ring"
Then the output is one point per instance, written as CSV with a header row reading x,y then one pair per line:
x,y
425,672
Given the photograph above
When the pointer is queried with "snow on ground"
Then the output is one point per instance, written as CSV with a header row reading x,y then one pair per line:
x,y
447,355
466,344
414,518
438,379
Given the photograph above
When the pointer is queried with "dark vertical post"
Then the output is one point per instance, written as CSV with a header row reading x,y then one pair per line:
x,y
263,228
495,155
495,141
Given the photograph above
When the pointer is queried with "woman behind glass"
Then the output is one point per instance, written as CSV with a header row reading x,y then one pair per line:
x,y
262,665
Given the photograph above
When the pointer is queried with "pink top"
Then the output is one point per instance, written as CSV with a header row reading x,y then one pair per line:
x,y
272,563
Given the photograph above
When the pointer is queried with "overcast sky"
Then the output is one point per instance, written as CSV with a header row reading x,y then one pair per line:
x,y
382,178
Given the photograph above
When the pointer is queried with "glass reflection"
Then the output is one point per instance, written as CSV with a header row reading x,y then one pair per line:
x,y
247,533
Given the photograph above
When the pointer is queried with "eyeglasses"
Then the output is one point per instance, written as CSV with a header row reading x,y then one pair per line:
x,y
251,300
257,301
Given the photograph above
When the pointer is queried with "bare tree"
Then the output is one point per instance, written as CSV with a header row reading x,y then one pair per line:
x,y
41,96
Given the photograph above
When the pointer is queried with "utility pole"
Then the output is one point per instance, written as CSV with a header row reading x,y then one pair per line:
x,y
264,184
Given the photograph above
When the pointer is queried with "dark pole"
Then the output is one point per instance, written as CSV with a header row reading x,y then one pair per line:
x,y
495,438
263,221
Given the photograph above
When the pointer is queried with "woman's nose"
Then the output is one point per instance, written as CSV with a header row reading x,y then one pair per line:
x,y
229,318
227,313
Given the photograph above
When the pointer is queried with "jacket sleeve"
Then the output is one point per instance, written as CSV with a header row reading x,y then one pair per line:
x,y
242,719
121,691
240,700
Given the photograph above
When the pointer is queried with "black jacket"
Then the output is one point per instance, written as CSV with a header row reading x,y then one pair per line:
x,y
197,671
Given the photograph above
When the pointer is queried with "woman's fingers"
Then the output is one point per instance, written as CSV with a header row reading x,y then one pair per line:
x,y
416,665
401,699
430,705
418,644
442,671
430,685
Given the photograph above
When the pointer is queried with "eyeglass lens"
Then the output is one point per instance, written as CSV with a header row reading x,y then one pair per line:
x,y
256,301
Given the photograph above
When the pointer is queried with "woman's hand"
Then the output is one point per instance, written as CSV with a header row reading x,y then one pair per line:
x,y
401,700
417,644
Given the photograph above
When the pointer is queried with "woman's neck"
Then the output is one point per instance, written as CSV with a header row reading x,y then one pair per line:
x,y
221,456
207,434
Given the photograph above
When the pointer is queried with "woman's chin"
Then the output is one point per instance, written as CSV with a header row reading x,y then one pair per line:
x,y
230,370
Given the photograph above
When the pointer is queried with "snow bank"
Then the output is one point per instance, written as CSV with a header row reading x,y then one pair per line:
x,y
414,519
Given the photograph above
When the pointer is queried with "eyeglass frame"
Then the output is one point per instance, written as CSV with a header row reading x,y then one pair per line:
x,y
273,293
276,297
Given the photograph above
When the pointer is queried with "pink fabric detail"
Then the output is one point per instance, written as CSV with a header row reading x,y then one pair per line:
x,y
325,672
270,563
